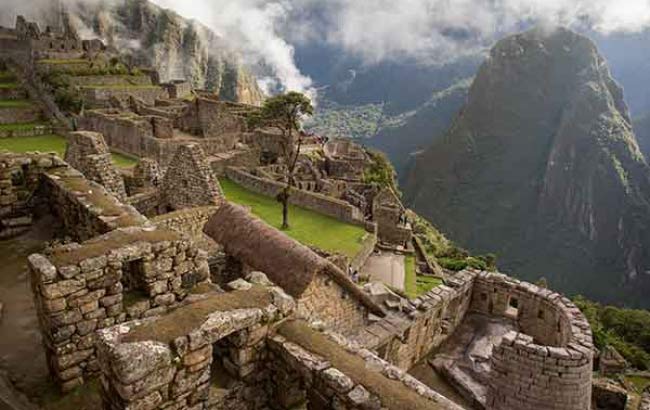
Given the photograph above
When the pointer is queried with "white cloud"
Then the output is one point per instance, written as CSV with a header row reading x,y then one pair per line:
x,y
430,31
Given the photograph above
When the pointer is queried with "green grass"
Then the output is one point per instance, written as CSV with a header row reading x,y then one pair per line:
x,y
414,284
639,382
307,227
8,85
52,143
426,283
53,61
410,277
15,103
123,161
7,77
27,126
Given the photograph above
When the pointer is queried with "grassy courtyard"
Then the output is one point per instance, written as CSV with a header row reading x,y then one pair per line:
x,y
414,284
53,143
307,227
15,104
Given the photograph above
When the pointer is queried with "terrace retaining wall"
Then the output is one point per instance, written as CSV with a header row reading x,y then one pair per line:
x,y
336,208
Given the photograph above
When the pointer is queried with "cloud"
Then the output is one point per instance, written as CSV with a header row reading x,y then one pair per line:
x,y
428,31
252,27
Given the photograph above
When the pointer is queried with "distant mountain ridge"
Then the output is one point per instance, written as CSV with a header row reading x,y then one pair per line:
x,y
177,47
542,167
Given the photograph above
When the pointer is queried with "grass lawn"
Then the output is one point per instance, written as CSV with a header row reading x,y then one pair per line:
x,y
414,284
7,77
410,277
52,143
426,283
24,126
15,103
307,227
8,85
63,61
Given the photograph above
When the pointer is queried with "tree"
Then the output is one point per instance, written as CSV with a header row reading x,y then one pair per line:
x,y
284,112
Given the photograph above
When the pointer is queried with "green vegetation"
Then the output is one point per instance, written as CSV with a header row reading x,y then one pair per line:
x,y
639,382
426,283
284,113
53,61
66,95
410,277
448,255
627,330
8,85
336,120
7,77
123,161
52,143
380,171
414,284
41,143
25,126
15,104
307,227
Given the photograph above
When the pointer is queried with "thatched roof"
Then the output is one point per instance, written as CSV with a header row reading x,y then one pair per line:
x,y
286,262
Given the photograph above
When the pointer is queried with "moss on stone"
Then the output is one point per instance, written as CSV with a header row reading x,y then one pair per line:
x,y
116,239
183,320
393,394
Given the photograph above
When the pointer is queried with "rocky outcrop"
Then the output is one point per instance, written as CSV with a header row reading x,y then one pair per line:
x,y
178,48
542,167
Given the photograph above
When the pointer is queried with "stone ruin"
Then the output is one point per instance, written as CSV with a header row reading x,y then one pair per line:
x,y
135,303
190,182
63,42
88,153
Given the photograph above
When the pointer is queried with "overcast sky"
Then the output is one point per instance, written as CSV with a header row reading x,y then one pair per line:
x,y
429,31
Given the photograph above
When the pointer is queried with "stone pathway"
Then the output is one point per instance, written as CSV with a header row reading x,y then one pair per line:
x,y
387,268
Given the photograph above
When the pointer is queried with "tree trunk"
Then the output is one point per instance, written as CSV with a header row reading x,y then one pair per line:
x,y
285,207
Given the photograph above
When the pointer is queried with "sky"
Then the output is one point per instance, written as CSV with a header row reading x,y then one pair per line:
x,y
375,31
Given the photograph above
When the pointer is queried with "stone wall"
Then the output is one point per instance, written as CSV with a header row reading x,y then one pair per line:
x,y
189,181
136,135
214,360
85,208
407,335
246,157
327,371
88,153
10,115
367,248
548,364
34,132
101,97
323,204
147,202
126,274
111,80
326,301
209,118
188,221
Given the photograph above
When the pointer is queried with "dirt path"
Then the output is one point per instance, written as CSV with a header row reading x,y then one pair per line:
x,y
21,353
387,268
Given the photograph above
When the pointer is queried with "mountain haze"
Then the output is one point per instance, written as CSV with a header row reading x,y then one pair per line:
x,y
542,167
177,47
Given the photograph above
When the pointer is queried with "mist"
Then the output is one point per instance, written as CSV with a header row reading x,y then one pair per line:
x,y
265,32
